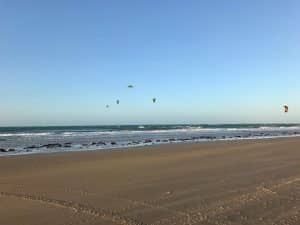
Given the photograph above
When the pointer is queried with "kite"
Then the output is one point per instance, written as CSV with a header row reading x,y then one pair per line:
x,y
286,108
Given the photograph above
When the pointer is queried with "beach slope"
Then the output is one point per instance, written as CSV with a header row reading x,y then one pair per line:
x,y
238,182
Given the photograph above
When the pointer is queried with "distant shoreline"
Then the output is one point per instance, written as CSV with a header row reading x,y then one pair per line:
x,y
146,124
146,146
29,140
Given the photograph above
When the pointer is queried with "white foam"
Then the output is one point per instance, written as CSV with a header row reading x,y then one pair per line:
x,y
24,134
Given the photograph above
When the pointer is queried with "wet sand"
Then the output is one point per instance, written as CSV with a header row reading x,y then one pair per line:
x,y
241,182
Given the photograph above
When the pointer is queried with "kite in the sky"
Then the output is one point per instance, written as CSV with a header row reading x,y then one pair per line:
x,y
107,106
286,108
154,100
118,101
130,86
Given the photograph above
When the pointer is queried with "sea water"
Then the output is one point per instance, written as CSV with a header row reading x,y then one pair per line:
x,y
28,140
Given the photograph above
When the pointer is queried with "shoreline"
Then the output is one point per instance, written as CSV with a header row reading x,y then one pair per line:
x,y
142,145
32,140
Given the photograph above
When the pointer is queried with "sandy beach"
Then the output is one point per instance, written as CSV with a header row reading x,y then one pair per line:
x,y
238,182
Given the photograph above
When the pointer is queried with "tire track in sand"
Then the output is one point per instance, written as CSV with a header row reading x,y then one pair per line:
x,y
135,204
216,212
76,208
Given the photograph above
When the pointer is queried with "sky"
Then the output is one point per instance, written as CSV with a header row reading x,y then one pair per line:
x,y
210,61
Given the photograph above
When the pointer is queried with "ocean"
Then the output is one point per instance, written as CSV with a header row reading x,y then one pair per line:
x,y
29,140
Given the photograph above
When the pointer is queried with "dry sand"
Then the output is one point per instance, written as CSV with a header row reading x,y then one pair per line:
x,y
246,182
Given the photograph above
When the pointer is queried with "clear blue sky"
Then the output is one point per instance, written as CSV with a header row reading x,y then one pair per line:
x,y
208,61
